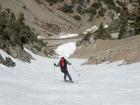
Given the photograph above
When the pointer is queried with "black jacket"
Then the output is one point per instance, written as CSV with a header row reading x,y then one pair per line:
x,y
65,64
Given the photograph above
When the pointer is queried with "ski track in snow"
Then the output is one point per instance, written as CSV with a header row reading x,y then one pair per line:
x,y
104,84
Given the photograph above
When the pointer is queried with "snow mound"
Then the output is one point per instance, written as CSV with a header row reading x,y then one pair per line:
x,y
66,50
92,29
68,35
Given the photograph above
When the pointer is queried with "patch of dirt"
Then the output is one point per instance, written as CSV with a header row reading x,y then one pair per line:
x,y
52,27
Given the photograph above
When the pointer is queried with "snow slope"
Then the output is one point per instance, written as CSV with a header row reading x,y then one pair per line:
x,y
104,84
66,49
63,35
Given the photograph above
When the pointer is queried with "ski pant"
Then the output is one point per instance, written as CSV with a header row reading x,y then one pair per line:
x,y
66,74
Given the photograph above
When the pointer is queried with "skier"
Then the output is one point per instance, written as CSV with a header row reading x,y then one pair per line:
x,y
63,66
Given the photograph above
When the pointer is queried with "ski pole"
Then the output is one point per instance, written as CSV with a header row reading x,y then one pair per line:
x,y
75,70
54,75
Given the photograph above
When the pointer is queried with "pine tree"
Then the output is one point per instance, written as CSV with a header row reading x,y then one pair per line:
x,y
137,19
123,22
102,33
13,30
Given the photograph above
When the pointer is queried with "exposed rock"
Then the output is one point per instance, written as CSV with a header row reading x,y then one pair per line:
x,y
51,27
42,51
8,62
17,52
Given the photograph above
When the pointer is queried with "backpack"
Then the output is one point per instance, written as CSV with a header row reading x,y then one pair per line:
x,y
62,63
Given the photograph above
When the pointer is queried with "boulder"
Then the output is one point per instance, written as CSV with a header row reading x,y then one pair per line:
x,y
9,62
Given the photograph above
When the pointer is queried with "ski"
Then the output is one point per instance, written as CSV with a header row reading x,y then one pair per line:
x,y
68,81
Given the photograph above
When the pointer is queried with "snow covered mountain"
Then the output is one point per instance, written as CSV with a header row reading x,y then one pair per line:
x,y
38,82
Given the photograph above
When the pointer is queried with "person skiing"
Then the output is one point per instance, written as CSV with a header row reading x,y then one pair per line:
x,y
63,66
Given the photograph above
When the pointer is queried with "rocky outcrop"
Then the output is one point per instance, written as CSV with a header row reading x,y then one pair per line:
x,y
15,51
7,61
19,53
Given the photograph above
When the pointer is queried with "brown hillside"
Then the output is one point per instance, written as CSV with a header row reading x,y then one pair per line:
x,y
111,50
